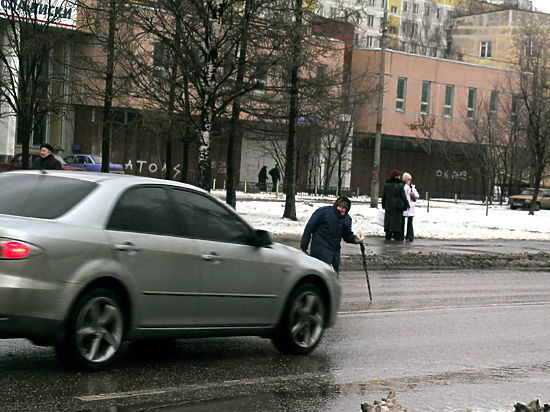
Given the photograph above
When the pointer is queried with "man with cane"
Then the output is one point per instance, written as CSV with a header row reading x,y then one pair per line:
x,y
326,228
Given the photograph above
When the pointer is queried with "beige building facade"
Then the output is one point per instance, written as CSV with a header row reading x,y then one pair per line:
x,y
444,94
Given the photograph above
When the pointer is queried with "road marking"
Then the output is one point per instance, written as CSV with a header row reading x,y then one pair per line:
x,y
441,308
194,388
102,397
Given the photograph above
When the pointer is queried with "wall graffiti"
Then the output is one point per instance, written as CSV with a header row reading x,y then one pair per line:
x,y
143,166
152,168
452,174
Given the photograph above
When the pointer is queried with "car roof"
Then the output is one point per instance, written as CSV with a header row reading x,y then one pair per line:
x,y
123,179
96,209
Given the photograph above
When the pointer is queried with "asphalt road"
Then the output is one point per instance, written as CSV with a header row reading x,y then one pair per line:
x,y
444,341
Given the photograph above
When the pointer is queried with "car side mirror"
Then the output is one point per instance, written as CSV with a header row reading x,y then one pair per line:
x,y
262,238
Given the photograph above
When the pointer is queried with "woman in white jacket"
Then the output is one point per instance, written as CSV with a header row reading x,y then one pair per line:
x,y
412,196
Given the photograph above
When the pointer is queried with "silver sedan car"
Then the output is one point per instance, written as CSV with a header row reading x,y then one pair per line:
x,y
90,260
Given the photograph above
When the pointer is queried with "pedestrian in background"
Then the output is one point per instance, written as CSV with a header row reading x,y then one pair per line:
x,y
275,174
326,227
394,203
47,160
412,196
262,179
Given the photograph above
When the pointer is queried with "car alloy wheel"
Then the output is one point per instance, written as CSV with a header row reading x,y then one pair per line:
x,y
303,321
95,332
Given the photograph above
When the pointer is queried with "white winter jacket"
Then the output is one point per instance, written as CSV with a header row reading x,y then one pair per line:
x,y
408,190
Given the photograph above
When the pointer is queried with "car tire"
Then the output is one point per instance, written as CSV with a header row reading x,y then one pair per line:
x,y
302,323
537,206
513,207
95,331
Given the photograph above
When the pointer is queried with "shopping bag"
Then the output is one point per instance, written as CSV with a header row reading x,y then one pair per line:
x,y
379,218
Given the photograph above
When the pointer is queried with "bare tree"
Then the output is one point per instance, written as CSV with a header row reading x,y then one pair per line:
x,y
534,92
29,32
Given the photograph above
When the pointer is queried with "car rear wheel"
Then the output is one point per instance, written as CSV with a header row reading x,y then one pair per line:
x,y
537,206
513,207
94,331
303,322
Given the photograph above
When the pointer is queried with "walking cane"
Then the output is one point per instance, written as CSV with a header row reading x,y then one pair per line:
x,y
365,267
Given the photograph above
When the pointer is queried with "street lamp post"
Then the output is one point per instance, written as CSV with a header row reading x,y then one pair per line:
x,y
375,185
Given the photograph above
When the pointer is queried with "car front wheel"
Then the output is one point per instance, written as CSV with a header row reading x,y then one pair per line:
x,y
303,322
94,331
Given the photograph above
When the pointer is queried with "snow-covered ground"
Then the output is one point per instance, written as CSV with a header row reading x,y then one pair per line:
x,y
444,220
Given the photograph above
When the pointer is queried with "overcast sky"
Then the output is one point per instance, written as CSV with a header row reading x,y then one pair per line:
x,y
542,5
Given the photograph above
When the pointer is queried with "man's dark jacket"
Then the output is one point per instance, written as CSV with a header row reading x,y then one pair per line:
x,y
275,174
328,228
394,202
47,163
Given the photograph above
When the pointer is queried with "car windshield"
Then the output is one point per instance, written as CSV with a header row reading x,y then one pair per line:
x,y
96,159
41,196
61,160
528,192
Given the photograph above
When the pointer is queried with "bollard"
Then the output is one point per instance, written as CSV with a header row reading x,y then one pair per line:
x,y
224,185
315,190
277,190
357,192
428,200
456,196
245,186
486,206
214,184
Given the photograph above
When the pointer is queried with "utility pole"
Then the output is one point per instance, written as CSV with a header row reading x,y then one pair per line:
x,y
375,185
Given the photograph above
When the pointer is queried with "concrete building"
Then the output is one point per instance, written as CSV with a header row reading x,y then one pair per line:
x,y
421,88
491,39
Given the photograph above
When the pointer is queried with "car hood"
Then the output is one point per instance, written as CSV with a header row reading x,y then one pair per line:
x,y
303,260
521,197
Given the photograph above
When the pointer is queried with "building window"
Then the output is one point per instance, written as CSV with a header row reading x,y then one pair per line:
x,y
394,9
472,94
401,94
415,8
449,98
486,49
370,21
333,12
405,7
514,110
393,30
370,41
425,98
427,11
493,103
438,13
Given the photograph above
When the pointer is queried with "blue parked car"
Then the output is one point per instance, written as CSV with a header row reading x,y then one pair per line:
x,y
91,163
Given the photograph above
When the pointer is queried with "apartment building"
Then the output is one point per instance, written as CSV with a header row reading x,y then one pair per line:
x,y
492,38
446,95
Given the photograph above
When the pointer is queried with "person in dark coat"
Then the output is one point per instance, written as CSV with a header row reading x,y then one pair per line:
x,y
326,227
262,179
394,203
275,174
47,160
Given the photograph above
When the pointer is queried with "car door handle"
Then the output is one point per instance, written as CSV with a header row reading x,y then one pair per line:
x,y
213,257
127,247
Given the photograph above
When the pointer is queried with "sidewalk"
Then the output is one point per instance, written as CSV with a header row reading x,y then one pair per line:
x,y
379,246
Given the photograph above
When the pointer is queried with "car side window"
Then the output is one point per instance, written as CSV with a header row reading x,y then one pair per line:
x,y
144,209
80,160
69,160
204,218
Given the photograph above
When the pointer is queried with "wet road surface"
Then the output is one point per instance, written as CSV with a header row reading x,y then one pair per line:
x,y
444,341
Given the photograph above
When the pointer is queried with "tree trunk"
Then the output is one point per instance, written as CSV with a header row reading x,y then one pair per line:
x,y
108,98
230,196
290,170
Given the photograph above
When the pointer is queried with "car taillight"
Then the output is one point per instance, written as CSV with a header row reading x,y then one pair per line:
x,y
14,250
